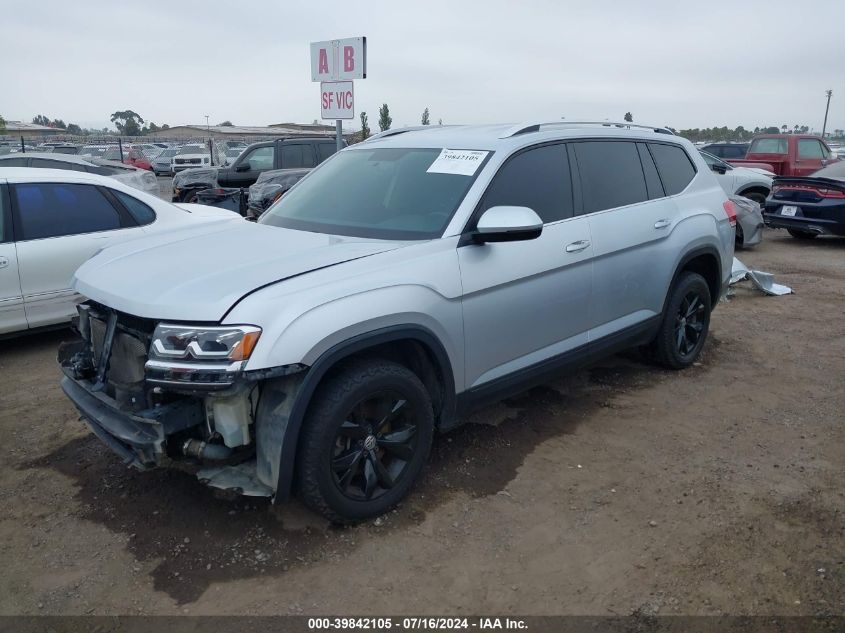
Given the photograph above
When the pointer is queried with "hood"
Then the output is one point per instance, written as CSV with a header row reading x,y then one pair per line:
x,y
198,275
195,175
759,170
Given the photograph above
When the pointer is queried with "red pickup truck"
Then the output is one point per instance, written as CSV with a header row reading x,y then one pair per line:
x,y
787,154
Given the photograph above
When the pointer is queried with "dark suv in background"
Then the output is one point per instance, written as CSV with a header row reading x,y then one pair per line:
x,y
289,153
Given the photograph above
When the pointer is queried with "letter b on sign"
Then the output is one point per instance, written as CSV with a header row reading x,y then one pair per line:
x,y
348,59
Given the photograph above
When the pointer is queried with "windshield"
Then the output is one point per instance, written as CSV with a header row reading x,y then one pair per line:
x,y
768,146
377,193
193,149
836,171
168,153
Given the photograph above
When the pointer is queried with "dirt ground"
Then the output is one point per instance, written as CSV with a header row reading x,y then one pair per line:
x,y
623,488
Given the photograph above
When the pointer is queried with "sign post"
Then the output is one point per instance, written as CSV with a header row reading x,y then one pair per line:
x,y
335,63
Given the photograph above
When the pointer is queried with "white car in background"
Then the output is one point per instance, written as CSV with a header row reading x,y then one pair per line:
x,y
752,183
140,179
189,157
51,221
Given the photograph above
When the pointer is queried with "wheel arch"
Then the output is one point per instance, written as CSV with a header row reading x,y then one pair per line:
x,y
705,261
414,346
754,188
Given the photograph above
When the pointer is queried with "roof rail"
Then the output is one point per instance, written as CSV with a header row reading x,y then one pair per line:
x,y
525,128
402,130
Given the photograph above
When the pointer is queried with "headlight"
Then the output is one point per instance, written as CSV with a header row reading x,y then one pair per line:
x,y
204,344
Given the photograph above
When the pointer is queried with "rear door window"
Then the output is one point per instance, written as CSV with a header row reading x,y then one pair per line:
x,y
324,150
297,155
652,179
674,165
611,174
58,209
809,148
537,178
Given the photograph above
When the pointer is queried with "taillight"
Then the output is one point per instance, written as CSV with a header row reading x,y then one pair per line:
x,y
831,193
730,210
821,192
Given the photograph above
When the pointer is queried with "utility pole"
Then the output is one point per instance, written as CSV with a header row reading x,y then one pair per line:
x,y
829,94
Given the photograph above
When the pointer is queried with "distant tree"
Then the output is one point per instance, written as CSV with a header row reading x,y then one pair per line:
x,y
783,127
127,122
40,119
73,128
629,117
804,129
151,127
2,125
439,121
226,123
58,123
315,122
384,119
425,119
365,126
165,126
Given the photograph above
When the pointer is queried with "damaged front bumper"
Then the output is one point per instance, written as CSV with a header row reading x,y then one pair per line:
x,y
154,413
138,438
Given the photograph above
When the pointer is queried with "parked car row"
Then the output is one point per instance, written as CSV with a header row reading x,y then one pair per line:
x,y
156,157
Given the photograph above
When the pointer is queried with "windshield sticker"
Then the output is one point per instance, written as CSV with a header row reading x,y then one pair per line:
x,y
462,162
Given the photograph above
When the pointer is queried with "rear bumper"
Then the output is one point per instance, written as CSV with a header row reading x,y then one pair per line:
x,y
819,226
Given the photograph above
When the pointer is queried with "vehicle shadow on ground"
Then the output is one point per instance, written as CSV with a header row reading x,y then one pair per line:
x,y
34,343
195,536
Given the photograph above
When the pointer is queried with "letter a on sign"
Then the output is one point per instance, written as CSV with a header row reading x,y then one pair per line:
x,y
324,62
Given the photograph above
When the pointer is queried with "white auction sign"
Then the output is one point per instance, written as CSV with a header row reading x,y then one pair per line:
x,y
337,100
336,60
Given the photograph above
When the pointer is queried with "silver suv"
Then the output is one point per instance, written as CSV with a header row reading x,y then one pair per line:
x,y
403,282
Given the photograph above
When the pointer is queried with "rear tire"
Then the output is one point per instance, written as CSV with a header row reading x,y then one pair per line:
x,y
739,239
686,321
756,196
802,235
365,440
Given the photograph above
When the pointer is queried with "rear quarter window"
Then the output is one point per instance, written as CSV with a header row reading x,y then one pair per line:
x,y
137,209
674,166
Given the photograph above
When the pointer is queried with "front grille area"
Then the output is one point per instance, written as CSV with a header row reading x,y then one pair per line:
x,y
125,369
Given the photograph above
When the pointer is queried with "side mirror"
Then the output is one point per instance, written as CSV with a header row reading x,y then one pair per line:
x,y
719,169
507,224
243,166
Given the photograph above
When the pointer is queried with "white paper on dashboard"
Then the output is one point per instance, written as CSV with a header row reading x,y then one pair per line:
x,y
463,162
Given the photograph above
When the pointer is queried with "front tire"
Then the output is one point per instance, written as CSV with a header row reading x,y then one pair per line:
x,y
365,440
686,321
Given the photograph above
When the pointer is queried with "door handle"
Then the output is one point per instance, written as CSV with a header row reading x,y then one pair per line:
x,y
575,247
662,224
4,262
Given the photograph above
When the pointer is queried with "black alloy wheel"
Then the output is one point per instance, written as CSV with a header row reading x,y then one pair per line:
x,y
686,321
364,440
374,446
689,323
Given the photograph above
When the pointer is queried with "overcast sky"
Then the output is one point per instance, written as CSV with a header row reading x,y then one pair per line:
x,y
678,63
